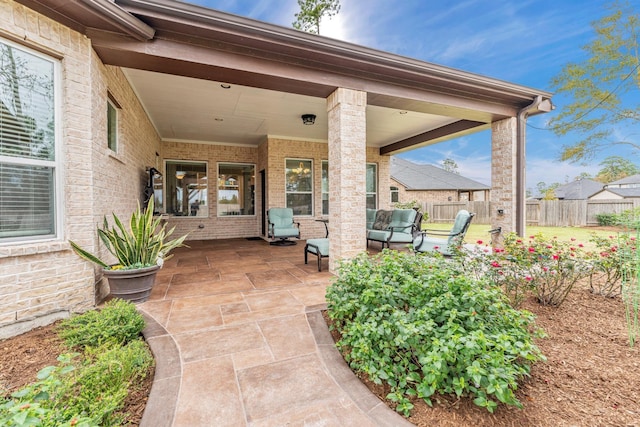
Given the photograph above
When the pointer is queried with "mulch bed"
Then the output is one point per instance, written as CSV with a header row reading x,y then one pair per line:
x,y
591,376
24,355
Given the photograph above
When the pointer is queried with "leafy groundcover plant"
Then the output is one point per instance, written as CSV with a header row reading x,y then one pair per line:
x,y
424,327
87,388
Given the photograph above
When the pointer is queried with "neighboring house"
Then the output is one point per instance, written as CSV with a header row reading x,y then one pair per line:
x,y
428,183
625,188
236,115
580,189
617,194
632,181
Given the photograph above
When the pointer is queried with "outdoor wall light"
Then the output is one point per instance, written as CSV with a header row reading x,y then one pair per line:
x,y
180,174
500,211
308,119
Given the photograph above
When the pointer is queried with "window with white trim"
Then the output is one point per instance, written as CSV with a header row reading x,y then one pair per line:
x,y
29,163
395,194
325,187
236,189
372,185
299,185
112,124
186,187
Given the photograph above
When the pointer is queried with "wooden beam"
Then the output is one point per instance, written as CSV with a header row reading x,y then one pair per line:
x,y
441,132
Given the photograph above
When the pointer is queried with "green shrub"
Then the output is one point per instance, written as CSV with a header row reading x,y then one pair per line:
x,y
425,328
118,322
86,389
607,219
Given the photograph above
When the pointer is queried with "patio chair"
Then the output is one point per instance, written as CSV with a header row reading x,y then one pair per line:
x,y
282,226
449,241
317,247
396,226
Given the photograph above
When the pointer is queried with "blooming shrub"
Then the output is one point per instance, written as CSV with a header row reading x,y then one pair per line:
x,y
608,262
547,267
424,327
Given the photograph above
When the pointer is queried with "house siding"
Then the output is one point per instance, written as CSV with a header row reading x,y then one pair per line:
x,y
45,279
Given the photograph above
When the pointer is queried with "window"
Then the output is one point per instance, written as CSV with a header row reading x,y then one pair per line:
x,y
394,194
186,187
299,186
372,186
29,133
236,189
325,187
112,125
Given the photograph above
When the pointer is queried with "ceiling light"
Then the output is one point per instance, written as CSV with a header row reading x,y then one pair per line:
x,y
225,86
308,119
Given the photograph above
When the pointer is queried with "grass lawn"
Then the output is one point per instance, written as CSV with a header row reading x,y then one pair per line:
x,y
581,234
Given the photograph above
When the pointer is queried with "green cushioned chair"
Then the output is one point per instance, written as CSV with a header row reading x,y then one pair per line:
x,y
446,245
282,227
318,247
401,228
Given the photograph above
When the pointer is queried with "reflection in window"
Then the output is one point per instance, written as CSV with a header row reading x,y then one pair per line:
x,y
372,185
236,189
112,126
186,188
299,186
28,164
325,187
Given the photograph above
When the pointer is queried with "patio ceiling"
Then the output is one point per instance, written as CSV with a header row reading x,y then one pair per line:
x,y
186,109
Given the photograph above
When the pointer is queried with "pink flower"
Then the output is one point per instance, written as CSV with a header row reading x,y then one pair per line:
x,y
436,247
519,241
613,249
549,246
580,245
532,237
495,264
573,239
556,256
528,278
501,272
545,268
532,250
479,242
572,248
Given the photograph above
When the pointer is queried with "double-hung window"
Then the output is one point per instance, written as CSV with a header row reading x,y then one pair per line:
x,y
299,186
29,144
325,187
372,185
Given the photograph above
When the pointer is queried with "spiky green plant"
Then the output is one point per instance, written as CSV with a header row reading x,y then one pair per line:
x,y
145,244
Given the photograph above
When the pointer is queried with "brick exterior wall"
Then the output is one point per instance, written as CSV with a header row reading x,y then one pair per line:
x,y
347,158
503,173
42,281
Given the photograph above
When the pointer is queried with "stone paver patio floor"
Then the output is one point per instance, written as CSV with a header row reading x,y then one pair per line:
x,y
239,340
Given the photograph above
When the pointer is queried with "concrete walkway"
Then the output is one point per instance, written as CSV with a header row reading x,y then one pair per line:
x,y
239,340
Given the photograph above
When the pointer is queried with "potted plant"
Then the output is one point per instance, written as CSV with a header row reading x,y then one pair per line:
x,y
140,252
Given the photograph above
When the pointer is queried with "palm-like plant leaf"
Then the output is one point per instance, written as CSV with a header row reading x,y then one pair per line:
x,y
144,244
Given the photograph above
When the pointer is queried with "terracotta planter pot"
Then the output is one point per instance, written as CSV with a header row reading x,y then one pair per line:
x,y
131,285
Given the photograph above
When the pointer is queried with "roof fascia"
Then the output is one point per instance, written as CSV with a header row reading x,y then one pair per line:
x,y
311,47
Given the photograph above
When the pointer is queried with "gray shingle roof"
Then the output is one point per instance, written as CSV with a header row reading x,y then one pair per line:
x,y
578,190
415,176
633,179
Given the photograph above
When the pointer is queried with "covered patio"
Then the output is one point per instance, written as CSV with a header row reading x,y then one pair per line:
x,y
239,339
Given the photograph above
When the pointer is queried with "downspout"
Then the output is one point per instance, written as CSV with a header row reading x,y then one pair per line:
x,y
521,141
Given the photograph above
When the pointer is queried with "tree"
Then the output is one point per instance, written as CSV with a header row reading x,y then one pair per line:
x,y
547,192
583,175
615,168
598,86
312,12
450,165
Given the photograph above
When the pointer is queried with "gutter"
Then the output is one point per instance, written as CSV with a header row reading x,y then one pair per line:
x,y
539,105
120,18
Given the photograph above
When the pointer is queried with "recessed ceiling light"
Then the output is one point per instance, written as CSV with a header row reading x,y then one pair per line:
x,y
403,112
225,86
218,119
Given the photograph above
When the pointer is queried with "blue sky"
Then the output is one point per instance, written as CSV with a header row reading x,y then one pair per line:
x,y
525,42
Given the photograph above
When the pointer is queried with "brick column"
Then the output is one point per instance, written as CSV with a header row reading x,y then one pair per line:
x,y
347,160
503,174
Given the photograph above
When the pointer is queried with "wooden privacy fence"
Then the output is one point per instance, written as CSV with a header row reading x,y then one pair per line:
x,y
550,213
